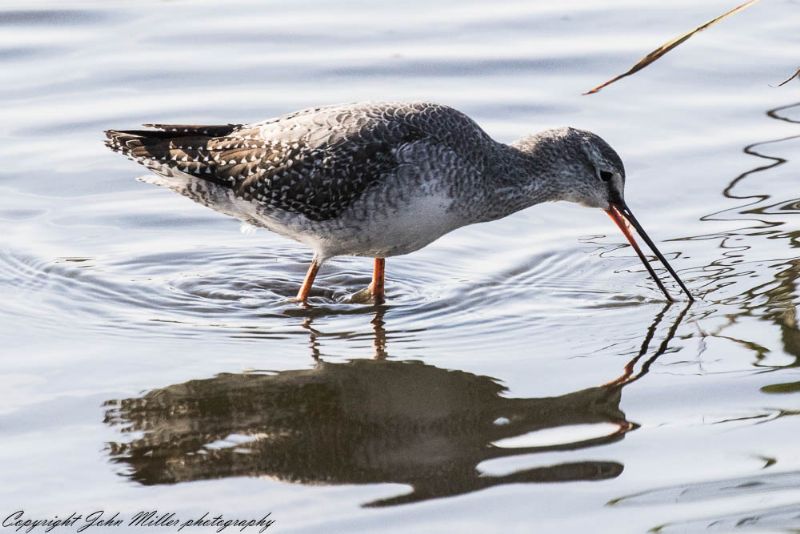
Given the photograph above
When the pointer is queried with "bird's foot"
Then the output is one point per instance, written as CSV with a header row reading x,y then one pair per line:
x,y
364,296
299,301
378,295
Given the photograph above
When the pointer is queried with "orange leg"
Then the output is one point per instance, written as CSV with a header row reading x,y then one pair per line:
x,y
305,289
377,286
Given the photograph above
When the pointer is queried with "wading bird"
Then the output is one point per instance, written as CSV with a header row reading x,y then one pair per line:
x,y
379,179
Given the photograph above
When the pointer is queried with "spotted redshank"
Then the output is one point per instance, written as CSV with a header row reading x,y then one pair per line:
x,y
380,179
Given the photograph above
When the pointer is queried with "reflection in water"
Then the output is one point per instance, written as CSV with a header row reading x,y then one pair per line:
x,y
365,421
775,299
159,275
407,422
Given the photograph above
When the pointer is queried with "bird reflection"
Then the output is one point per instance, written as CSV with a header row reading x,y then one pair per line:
x,y
365,421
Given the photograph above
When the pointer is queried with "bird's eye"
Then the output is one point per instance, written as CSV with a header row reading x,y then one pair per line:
x,y
606,176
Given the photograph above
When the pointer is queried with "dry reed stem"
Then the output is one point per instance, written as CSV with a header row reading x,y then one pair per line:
x,y
669,45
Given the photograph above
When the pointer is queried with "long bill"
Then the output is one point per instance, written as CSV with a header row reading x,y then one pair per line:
x,y
621,214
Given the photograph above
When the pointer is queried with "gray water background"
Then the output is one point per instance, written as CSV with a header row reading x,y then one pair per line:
x,y
525,375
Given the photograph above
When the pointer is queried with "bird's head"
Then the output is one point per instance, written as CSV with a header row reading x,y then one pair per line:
x,y
600,180
581,167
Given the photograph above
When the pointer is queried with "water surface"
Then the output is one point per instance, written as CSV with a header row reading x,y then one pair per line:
x,y
524,374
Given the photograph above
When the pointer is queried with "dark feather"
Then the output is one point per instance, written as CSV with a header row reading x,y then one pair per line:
x,y
294,173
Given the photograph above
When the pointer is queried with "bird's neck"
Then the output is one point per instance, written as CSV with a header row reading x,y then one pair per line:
x,y
514,179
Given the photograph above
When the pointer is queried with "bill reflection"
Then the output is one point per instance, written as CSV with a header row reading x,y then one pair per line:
x,y
365,422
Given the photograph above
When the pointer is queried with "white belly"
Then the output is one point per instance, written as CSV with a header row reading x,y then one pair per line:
x,y
374,233
366,229
418,223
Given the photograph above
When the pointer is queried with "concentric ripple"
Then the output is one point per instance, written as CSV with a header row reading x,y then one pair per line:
x,y
239,293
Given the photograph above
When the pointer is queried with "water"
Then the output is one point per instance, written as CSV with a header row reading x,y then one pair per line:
x,y
524,375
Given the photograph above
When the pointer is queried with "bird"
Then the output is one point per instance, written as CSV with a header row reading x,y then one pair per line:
x,y
380,179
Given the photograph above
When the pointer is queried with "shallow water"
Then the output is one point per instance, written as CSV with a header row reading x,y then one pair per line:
x,y
524,375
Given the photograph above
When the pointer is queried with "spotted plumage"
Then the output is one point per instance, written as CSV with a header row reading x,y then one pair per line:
x,y
315,163
371,179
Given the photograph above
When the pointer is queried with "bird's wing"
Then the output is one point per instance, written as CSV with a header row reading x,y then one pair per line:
x,y
315,164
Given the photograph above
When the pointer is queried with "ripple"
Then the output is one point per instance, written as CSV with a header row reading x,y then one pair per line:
x,y
48,17
715,489
778,518
230,291
782,518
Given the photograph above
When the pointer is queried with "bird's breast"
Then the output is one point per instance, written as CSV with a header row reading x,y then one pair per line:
x,y
383,229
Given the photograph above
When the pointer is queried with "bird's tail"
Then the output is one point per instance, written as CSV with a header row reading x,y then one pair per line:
x,y
168,147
